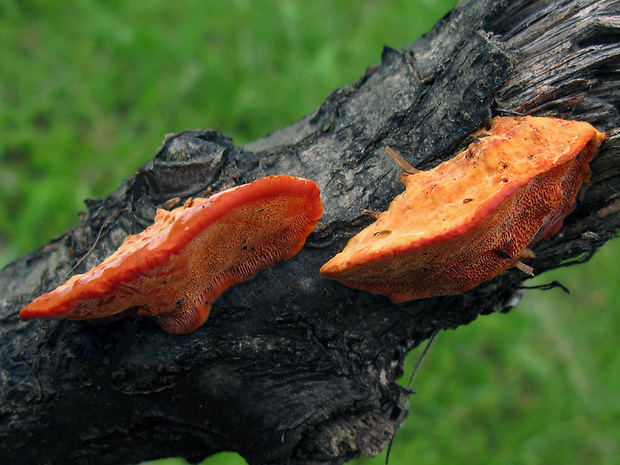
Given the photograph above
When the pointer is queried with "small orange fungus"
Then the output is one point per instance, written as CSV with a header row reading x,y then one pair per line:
x,y
177,267
472,217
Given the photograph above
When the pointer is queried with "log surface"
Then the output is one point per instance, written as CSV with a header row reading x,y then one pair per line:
x,y
291,367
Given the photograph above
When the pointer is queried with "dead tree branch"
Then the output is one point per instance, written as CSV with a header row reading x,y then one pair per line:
x,y
291,367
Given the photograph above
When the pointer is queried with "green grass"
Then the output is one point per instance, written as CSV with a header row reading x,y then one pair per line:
x,y
88,89
535,386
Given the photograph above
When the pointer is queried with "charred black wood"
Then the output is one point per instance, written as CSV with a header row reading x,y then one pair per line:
x,y
291,367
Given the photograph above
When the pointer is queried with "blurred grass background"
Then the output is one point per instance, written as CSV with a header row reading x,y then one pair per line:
x,y
88,90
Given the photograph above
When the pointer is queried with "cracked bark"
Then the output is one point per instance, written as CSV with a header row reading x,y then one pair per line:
x,y
293,368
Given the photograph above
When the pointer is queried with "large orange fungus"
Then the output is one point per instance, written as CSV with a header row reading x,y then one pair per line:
x,y
472,217
177,267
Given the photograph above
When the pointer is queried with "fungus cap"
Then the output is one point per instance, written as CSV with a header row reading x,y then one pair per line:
x,y
175,268
470,218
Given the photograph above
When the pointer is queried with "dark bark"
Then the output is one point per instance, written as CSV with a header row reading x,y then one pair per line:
x,y
291,367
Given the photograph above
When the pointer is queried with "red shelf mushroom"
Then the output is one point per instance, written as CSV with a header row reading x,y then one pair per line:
x,y
177,267
472,217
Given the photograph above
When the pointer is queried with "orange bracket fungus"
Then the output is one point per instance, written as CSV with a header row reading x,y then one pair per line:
x,y
472,217
177,267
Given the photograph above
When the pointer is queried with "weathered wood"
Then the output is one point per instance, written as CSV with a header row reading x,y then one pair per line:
x,y
293,368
